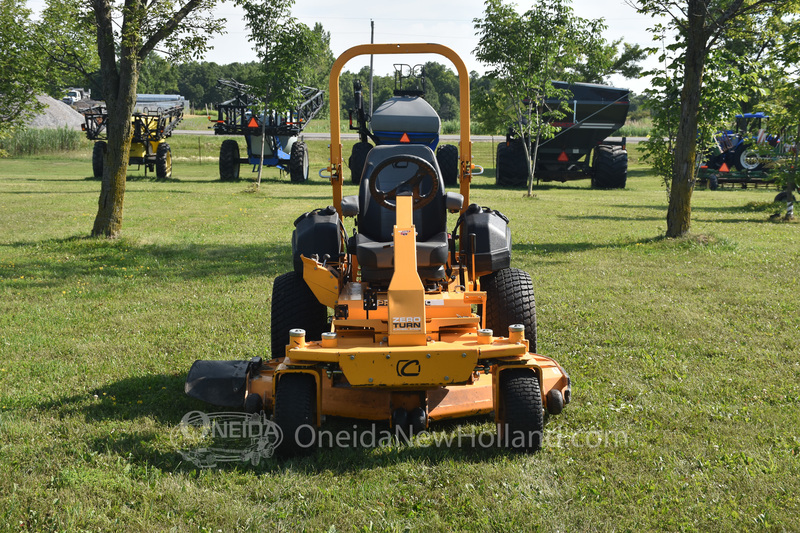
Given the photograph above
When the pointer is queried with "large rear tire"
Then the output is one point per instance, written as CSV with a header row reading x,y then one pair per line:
x,y
294,306
358,158
610,167
512,165
298,162
523,413
163,161
510,300
98,158
229,162
447,157
745,158
296,413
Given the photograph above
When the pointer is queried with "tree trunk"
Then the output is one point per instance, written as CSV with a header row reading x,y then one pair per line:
x,y
532,159
679,212
108,222
120,80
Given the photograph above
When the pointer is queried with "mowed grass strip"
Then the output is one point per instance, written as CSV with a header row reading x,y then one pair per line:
x,y
683,356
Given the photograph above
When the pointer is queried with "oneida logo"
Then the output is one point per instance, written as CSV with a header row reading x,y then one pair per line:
x,y
407,323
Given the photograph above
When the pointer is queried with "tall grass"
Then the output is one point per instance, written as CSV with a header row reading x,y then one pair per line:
x,y
453,127
636,128
38,141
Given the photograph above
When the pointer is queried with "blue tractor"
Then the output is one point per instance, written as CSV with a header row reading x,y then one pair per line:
x,y
406,118
741,155
269,134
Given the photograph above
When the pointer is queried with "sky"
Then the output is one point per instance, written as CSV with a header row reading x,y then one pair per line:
x,y
447,22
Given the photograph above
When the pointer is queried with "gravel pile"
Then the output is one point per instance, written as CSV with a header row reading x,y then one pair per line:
x,y
57,114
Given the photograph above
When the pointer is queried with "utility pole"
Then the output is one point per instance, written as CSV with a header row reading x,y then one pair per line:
x,y
371,41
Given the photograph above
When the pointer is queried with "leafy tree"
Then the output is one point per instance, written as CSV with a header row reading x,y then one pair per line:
x,y
782,56
158,76
291,54
67,41
21,66
786,169
524,53
700,25
718,104
601,59
197,82
127,31
442,82
441,77
321,59
448,107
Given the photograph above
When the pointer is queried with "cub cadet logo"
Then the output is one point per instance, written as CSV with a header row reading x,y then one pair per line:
x,y
406,367
408,323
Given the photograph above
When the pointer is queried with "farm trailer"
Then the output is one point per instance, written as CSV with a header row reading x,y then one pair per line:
x,y
581,149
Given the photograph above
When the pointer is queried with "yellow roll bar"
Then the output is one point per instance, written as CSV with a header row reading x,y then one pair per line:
x,y
465,145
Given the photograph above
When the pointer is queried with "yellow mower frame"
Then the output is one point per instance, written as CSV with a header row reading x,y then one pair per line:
x,y
420,351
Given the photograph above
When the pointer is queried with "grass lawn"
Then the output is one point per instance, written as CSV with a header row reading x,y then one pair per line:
x,y
683,356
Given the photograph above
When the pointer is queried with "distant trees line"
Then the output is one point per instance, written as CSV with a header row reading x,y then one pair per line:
x,y
197,82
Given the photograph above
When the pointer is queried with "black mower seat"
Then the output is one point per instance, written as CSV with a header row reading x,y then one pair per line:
x,y
374,242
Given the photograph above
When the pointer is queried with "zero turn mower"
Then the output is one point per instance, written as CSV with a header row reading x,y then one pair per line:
x,y
427,325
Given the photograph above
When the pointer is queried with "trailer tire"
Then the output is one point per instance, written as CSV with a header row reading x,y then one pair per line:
x,y
298,162
98,158
294,306
295,412
610,166
163,161
447,157
523,411
229,162
357,160
713,182
510,300
740,159
512,165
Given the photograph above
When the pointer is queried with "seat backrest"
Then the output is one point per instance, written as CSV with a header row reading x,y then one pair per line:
x,y
377,222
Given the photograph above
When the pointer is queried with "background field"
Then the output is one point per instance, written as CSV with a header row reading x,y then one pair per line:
x,y
683,356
